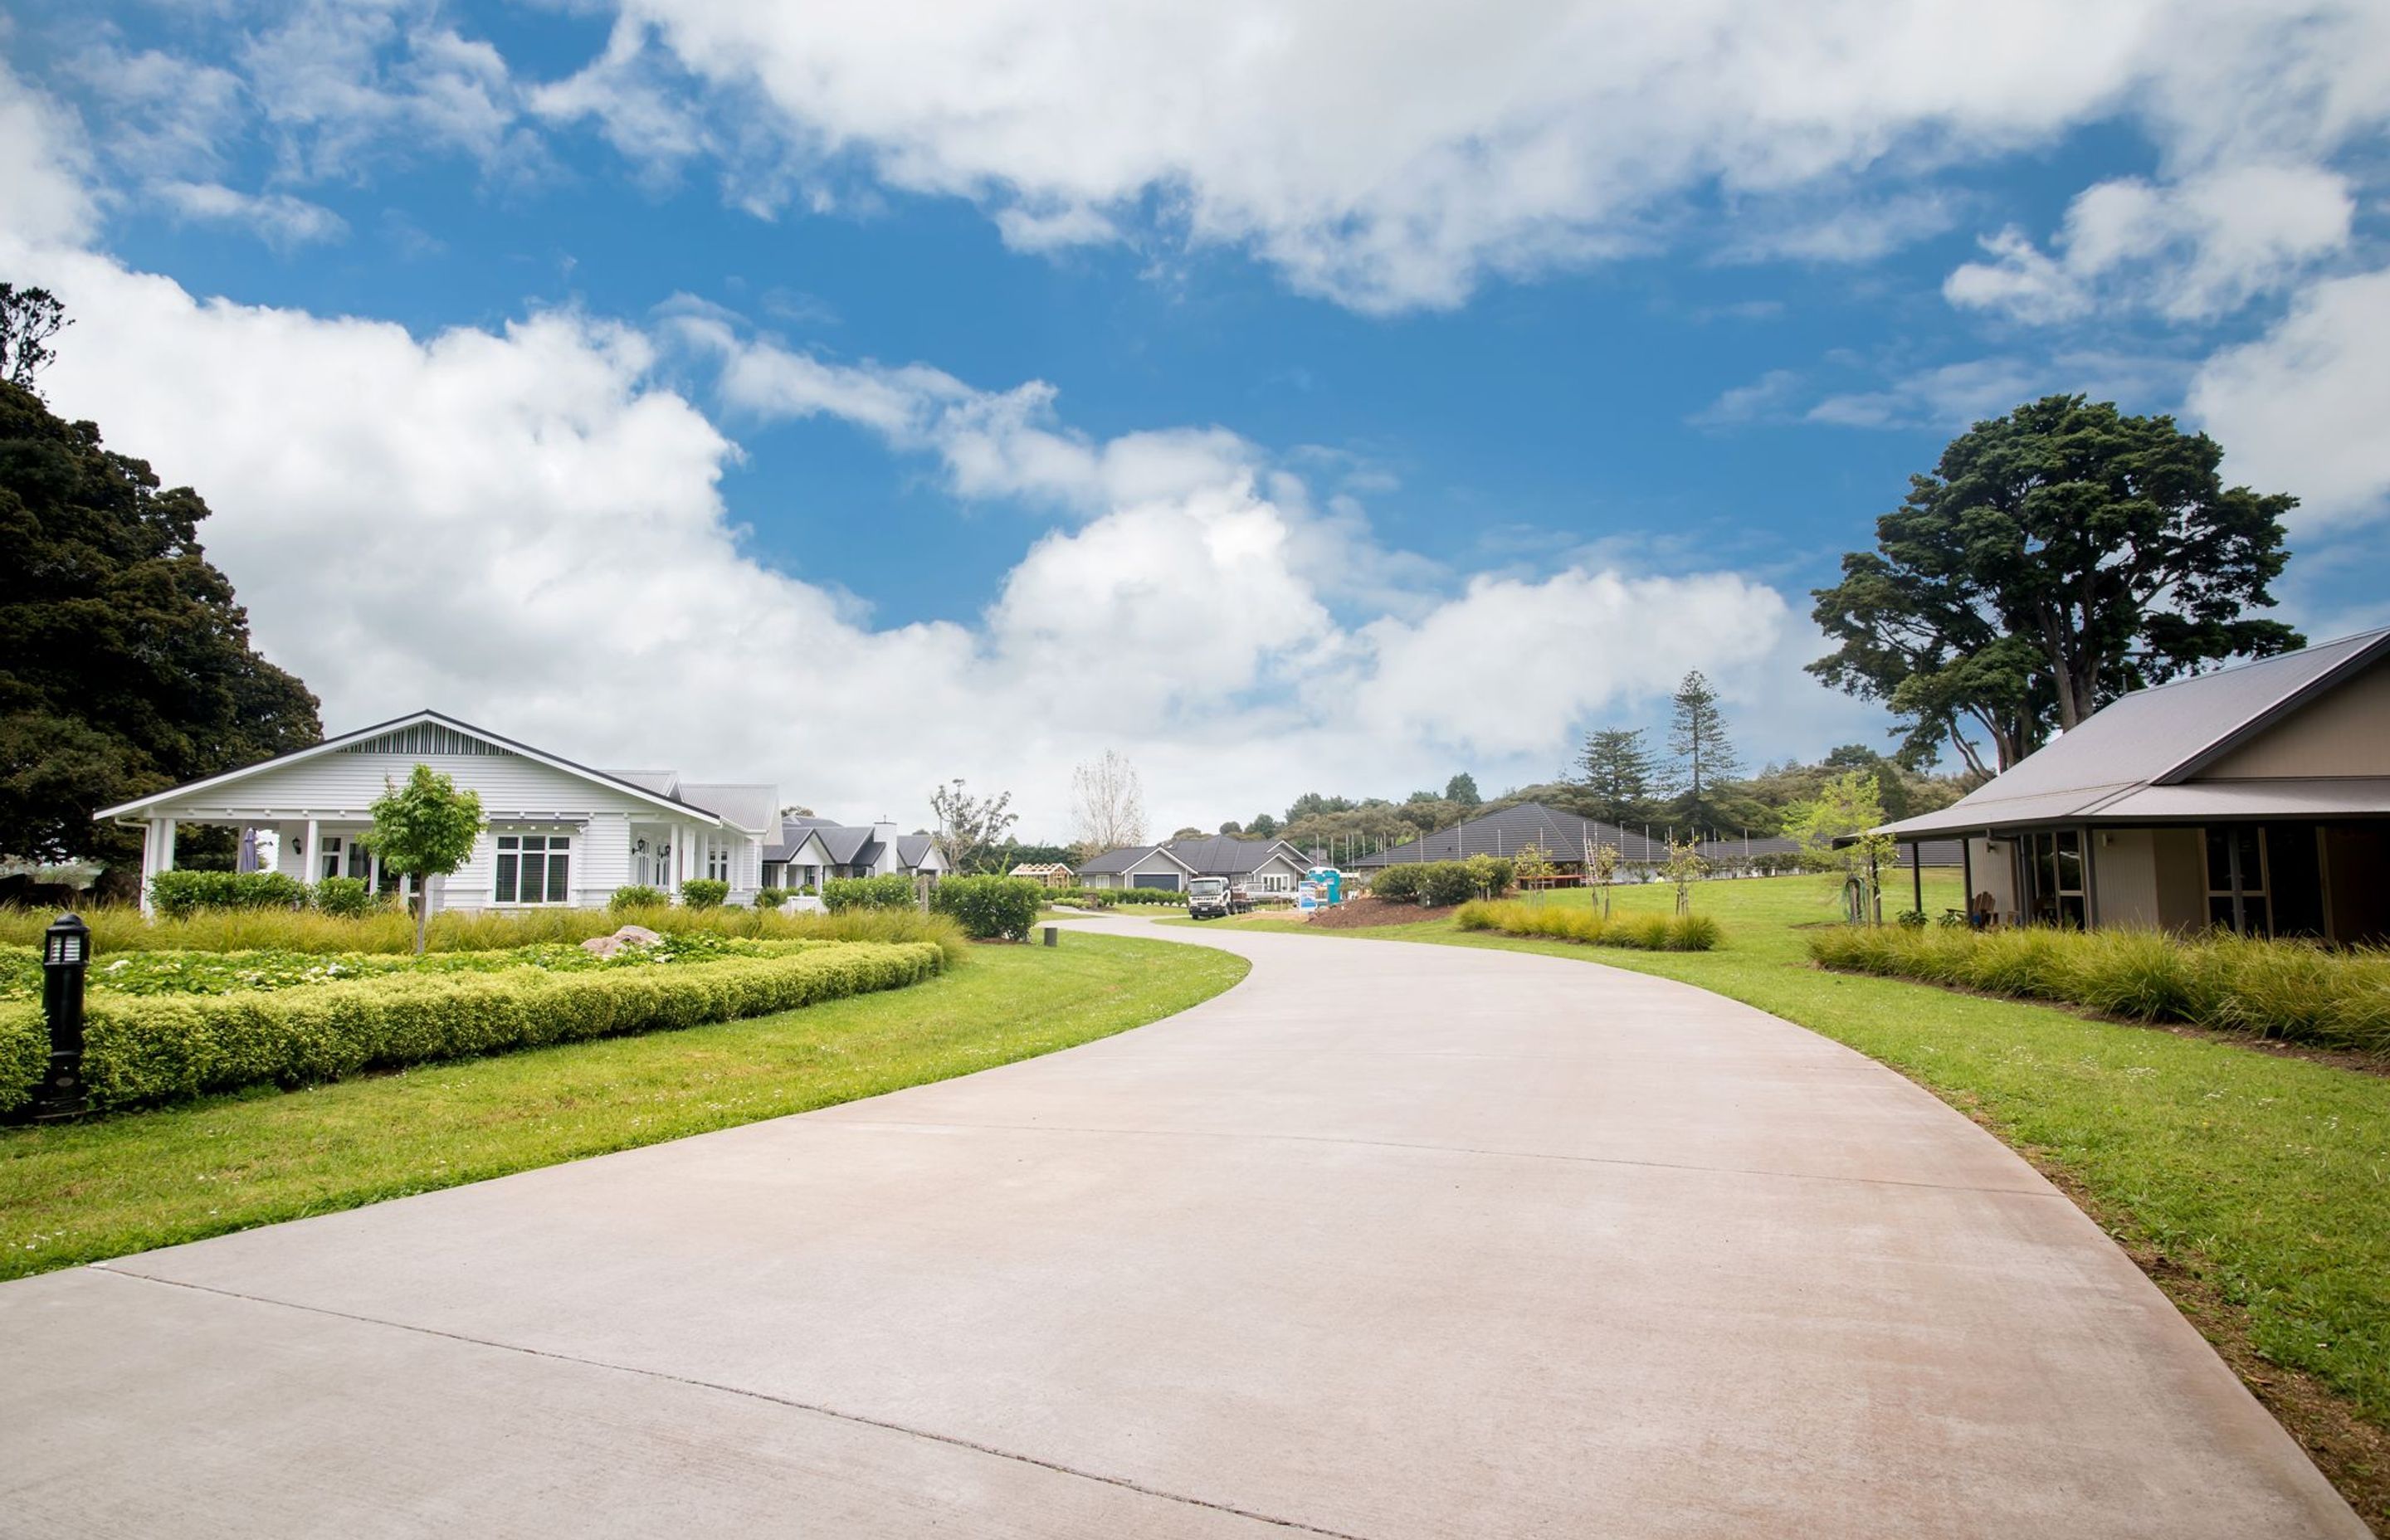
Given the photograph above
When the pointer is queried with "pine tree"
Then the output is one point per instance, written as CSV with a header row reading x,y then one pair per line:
x,y
1704,758
1620,777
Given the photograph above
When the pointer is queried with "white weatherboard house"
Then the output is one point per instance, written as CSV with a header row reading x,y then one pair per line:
x,y
559,834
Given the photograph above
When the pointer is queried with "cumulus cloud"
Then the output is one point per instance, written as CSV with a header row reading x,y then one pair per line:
x,y
2300,409
2192,252
526,526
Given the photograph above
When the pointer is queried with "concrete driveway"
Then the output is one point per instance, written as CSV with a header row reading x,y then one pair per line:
x,y
1389,1240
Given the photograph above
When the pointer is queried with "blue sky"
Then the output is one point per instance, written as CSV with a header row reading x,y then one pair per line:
x,y
1282,398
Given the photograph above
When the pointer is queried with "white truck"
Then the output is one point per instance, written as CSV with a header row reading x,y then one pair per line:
x,y
1215,898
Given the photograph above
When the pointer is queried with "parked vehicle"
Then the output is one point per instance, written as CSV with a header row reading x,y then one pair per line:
x,y
1216,898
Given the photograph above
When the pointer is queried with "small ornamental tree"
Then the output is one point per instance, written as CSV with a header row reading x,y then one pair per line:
x,y
1685,867
1605,872
424,829
1534,868
1846,808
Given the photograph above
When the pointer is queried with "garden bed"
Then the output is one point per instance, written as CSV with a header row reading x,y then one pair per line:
x,y
193,1022
1356,913
1590,928
2285,990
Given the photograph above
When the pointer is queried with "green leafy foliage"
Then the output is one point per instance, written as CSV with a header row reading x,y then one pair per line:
x,y
1704,759
423,829
125,664
638,895
179,895
2054,558
894,891
1146,895
1442,883
346,896
2291,990
1591,928
144,1050
990,908
704,892
770,898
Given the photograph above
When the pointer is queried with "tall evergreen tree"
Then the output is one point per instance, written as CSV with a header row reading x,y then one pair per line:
x,y
2053,559
1462,788
1697,735
1621,780
124,663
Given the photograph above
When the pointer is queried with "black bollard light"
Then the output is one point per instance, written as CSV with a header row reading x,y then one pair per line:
x,y
66,956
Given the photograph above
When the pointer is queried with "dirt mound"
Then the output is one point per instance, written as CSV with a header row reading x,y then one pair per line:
x,y
1356,913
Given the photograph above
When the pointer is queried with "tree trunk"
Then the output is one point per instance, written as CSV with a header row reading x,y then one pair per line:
x,y
422,912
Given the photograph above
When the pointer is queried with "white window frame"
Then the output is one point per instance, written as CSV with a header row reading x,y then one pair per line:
x,y
717,861
510,846
1276,883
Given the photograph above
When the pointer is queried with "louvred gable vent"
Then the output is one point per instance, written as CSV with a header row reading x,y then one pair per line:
x,y
428,737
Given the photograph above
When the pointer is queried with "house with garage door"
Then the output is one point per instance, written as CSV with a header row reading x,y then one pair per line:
x,y
2254,798
559,833
1259,866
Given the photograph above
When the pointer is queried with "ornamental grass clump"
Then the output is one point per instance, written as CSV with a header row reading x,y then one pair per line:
x,y
2292,991
1588,928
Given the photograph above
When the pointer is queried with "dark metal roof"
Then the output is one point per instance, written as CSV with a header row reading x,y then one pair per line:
x,y
912,850
2106,769
1564,836
1113,861
1224,856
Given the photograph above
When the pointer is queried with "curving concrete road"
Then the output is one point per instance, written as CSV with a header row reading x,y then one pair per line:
x,y
1389,1240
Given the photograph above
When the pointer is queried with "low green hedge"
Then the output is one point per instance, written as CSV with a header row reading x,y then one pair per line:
x,y
140,1051
176,894
1145,895
704,892
1566,922
1440,883
639,896
990,908
894,891
2292,990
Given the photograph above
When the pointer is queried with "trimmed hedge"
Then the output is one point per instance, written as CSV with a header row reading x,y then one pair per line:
x,y
1442,883
638,895
1559,923
178,894
990,908
2292,990
141,1050
1145,895
345,897
894,891
704,892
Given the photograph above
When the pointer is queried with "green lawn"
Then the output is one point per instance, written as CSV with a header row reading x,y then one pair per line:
x,y
2257,1182
82,1192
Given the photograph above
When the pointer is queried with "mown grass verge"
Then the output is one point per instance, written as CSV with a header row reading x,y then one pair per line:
x,y
2288,991
82,1193
2253,1187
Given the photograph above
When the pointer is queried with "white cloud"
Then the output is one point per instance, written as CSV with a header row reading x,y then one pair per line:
x,y
278,219
2301,409
1395,160
2192,250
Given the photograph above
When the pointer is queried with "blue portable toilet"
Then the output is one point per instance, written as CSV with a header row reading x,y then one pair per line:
x,y
1330,881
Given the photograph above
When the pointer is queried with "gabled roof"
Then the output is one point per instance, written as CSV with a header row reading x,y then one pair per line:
x,y
1121,860
750,806
398,725
846,843
1563,836
1224,856
2111,767
912,850
791,846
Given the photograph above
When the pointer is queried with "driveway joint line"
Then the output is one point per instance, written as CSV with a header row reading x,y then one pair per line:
x,y
1438,1148
856,1419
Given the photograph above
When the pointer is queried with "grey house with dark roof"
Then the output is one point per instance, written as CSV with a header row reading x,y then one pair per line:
x,y
1562,836
2255,798
1261,866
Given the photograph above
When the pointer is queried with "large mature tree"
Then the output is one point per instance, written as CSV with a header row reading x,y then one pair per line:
x,y
124,664
2054,558
1704,758
1462,788
1620,779
29,319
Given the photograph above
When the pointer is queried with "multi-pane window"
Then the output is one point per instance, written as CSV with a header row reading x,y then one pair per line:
x,y
532,869
717,863
2054,877
1276,883
2239,896
340,856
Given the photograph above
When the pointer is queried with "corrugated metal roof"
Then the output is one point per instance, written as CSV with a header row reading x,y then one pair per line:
x,y
1225,856
2323,797
661,782
2150,740
912,850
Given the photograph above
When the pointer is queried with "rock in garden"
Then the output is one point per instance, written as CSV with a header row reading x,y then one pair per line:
x,y
602,946
636,935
